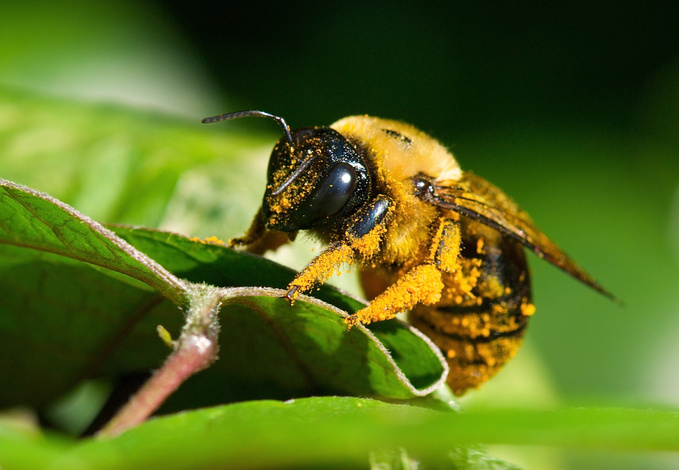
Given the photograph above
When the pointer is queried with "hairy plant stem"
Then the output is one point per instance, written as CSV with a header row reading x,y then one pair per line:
x,y
195,350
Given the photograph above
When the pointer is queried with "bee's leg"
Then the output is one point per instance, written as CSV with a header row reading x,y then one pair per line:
x,y
258,239
320,269
254,233
362,239
445,247
422,284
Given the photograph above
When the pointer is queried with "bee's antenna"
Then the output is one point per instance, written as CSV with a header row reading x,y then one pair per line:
x,y
253,113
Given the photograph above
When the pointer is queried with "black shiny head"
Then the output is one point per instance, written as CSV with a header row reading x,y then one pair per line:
x,y
315,179
319,183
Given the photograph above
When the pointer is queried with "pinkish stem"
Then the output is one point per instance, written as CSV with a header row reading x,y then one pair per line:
x,y
195,353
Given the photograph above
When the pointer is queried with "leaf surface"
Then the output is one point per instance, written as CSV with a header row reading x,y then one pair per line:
x,y
85,302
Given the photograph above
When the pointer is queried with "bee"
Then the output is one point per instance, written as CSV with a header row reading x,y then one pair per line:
x,y
429,238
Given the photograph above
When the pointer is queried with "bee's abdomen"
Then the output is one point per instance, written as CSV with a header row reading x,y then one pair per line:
x,y
484,310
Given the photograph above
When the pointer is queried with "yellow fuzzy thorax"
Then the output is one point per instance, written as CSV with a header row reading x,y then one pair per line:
x,y
399,152
403,150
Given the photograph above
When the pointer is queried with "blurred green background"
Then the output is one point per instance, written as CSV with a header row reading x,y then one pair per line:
x,y
572,109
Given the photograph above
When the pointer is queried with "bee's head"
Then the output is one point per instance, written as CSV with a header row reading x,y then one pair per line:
x,y
315,178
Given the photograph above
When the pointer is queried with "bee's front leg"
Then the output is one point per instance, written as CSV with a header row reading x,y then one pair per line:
x,y
320,269
422,284
258,239
362,239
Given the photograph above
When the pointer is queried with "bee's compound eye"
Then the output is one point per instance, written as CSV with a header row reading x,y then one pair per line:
x,y
332,193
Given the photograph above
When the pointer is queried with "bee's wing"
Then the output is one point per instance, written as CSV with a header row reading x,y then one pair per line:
x,y
480,200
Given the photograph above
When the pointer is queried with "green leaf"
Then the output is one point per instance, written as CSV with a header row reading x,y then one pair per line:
x,y
338,431
66,319
39,222
415,356
61,318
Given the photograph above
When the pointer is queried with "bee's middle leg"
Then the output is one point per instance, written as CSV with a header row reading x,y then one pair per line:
x,y
423,284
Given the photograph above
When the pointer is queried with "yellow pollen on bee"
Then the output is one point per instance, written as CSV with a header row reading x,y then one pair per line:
x,y
499,309
422,284
527,309
368,244
490,360
469,350
322,268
